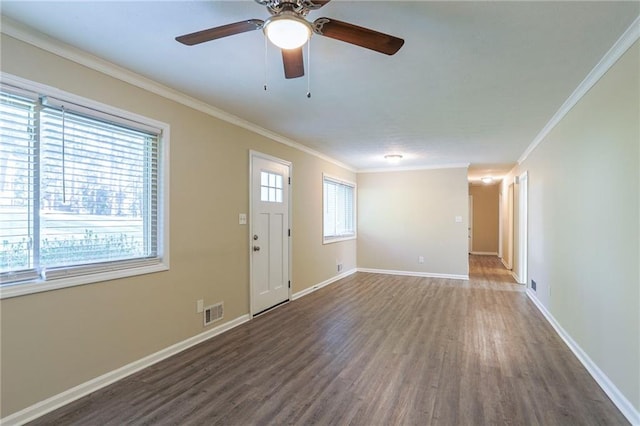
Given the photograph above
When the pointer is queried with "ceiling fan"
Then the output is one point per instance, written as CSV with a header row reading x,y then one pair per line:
x,y
288,29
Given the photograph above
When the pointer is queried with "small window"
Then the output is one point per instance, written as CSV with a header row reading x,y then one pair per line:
x,y
271,187
80,193
339,213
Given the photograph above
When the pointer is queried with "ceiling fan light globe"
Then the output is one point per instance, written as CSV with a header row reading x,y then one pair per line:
x,y
287,32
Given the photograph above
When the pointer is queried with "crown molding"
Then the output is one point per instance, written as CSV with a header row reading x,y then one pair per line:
x,y
415,168
31,36
626,40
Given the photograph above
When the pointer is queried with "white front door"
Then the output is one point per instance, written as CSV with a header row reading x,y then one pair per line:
x,y
269,236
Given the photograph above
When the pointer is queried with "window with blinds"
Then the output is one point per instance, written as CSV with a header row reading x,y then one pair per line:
x,y
339,215
79,190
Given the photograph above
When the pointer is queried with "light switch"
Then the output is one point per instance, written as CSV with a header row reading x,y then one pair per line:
x,y
242,219
458,219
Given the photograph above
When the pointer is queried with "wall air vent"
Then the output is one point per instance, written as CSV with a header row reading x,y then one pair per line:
x,y
213,313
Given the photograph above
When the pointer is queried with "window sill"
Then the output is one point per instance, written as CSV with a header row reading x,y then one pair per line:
x,y
39,286
338,239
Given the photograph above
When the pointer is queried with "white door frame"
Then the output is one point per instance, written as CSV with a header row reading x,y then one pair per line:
x,y
500,221
470,229
510,224
523,201
256,154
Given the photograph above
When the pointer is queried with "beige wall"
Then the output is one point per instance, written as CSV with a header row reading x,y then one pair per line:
x,y
584,223
485,217
404,215
55,340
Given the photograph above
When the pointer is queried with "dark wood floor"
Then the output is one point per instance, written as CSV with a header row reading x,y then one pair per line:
x,y
369,350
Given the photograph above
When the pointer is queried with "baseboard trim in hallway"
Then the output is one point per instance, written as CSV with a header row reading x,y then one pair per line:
x,y
623,404
414,274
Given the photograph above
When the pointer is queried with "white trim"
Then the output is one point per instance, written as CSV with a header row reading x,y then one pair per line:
x,y
500,201
37,39
523,227
618,49
414,274
506,265
43,407
414,168
515,277
470,226
324,283
484,253
38,286
620,401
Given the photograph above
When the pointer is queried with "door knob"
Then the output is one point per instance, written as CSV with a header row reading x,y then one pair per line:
x,y
256,248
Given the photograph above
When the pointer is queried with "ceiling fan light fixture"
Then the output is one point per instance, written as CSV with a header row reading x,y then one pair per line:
x,y
287,30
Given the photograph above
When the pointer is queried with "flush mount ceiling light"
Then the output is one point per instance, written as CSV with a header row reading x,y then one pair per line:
x,y
487,179
393,158
287,30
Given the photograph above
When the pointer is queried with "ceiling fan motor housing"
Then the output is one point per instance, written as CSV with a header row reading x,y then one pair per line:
x,y
300,7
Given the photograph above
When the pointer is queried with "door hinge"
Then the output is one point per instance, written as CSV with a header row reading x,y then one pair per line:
x,y
289,232
289,180
289,284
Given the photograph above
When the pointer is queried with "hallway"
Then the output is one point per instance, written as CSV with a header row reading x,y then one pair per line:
x,y
489,269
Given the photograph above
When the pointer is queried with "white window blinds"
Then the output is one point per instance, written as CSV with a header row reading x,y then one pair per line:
x,y
79,192
17,189
338,209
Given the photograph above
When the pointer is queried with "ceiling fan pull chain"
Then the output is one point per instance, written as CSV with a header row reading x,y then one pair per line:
x,y
265,64
309,72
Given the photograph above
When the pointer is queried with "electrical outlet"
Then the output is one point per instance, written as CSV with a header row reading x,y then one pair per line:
x,y
199,305
533,285
339,267
420,259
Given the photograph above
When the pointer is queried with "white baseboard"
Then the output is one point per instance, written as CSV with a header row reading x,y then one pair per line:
x,y
43,407
414,274
325,283
516,277
484,253
506,265
623,404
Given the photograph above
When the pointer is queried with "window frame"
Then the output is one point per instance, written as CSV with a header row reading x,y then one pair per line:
x,y
345,237
119,269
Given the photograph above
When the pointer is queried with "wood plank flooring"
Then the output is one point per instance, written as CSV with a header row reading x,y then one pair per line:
x,y
369,350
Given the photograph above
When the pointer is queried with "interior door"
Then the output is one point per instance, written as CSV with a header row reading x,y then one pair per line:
x,y
269,243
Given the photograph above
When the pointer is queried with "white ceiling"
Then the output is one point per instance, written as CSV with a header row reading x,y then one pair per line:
x,y
474,83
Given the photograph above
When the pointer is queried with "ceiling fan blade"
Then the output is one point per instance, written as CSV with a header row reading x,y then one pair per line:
x,y
293,62
219,32
359,36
